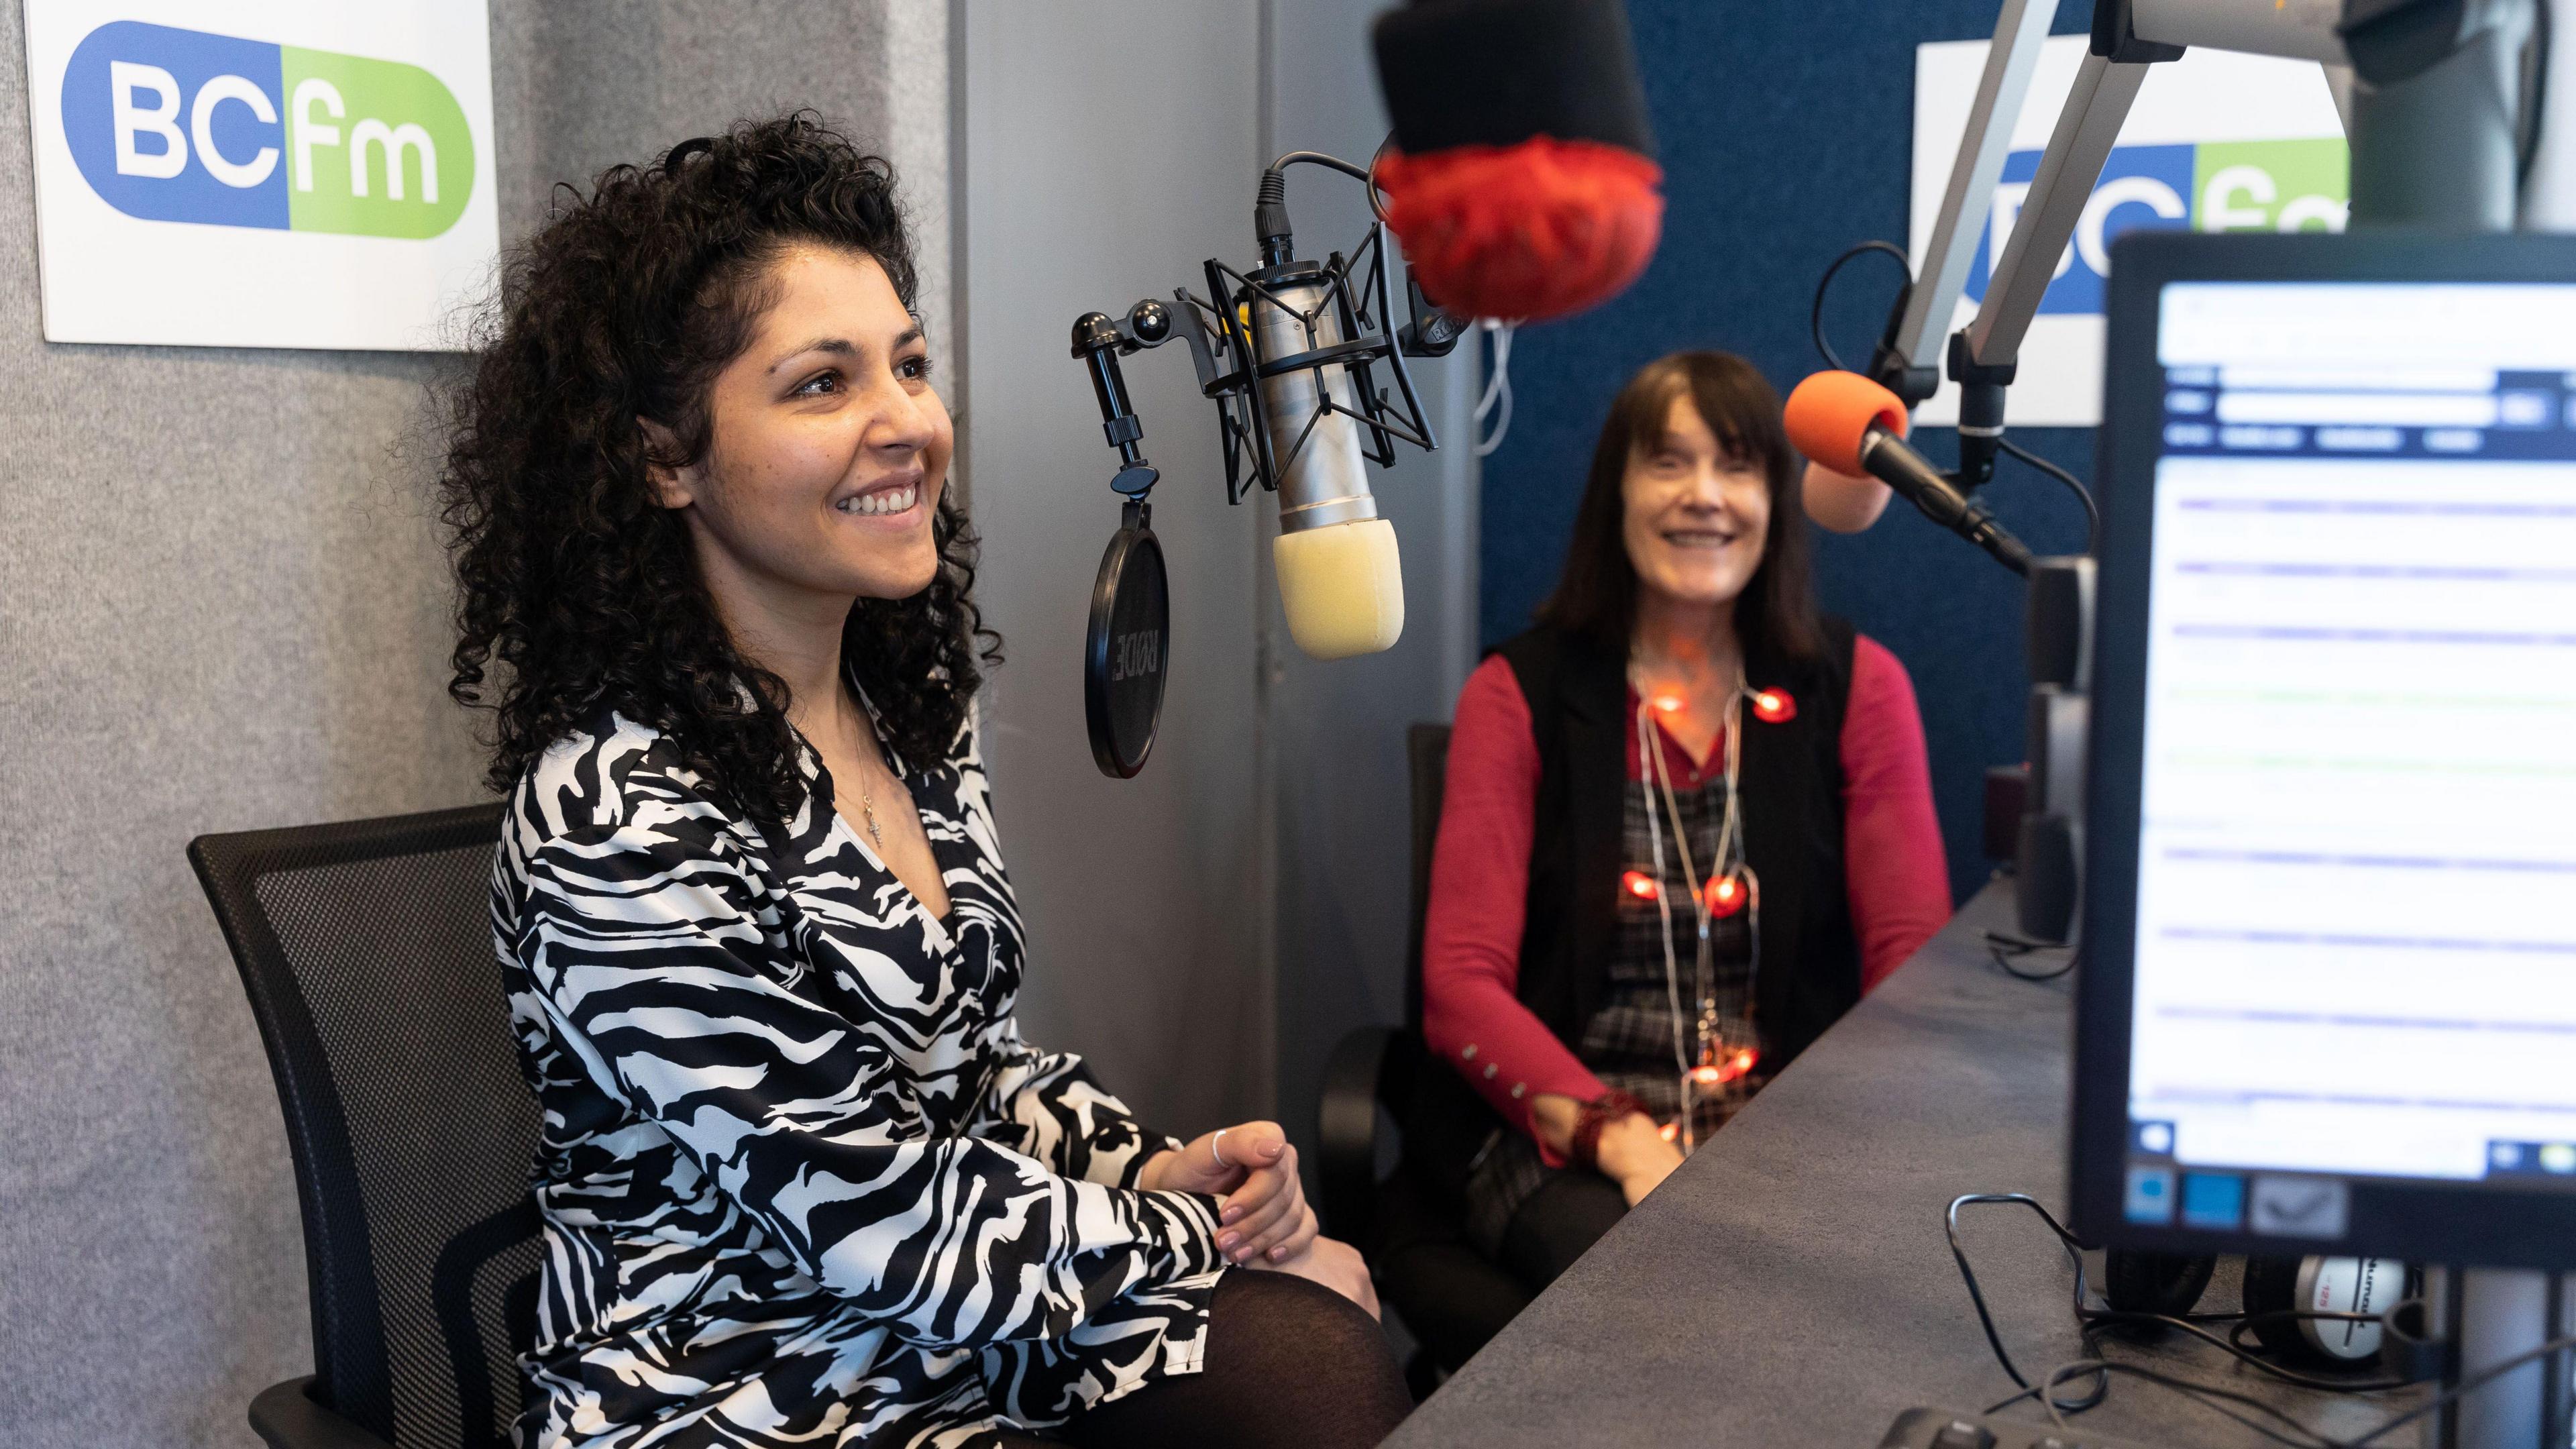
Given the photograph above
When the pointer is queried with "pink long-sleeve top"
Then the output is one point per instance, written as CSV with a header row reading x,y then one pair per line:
x,y
1895,874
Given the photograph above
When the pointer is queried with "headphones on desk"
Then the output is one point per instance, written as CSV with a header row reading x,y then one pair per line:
x,y
2320,1312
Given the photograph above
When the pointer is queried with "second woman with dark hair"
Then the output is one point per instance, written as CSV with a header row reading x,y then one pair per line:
x,y
802,1181
1687,823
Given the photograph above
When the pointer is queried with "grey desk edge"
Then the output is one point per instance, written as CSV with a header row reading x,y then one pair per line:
x,y
1790,1285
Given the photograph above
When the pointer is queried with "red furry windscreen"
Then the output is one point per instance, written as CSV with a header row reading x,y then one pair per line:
x,y
1529,231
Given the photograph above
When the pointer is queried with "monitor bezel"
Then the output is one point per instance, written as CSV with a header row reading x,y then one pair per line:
x,y
2409,1218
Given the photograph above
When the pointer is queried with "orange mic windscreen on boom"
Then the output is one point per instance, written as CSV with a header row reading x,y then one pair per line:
x,y
1521,177
1829,415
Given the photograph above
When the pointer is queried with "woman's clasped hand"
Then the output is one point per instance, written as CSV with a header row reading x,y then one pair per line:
x,y
1632,1151
1636,1154
1263,1219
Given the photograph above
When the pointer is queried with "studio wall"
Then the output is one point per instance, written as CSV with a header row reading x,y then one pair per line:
x,y
223,604
1336,729
223,607
1205,932
1786,135
1103,147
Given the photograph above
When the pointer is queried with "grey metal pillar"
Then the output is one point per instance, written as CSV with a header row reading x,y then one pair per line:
x,y
2435,110
2491,1316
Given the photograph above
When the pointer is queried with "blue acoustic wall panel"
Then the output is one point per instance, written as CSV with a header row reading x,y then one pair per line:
x,y
1786,135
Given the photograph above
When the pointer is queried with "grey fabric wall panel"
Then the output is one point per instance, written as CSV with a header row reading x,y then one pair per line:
x,y
614,80
1110,148
222,606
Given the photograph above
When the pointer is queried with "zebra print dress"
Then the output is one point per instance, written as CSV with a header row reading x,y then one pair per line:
x,y
802,1182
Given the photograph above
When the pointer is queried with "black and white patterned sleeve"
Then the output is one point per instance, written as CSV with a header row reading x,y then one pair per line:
x,y
643,936
1045,1104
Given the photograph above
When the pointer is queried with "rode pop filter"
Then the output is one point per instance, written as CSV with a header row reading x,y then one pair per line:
x,y
1126,647
1520,176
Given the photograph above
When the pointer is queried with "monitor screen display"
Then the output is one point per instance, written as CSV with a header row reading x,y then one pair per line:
x,y
2354,935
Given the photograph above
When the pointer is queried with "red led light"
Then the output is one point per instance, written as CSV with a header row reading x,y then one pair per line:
x,y
1668,703
1670,1130
1726,895
1730,1068
1774,706
1639,884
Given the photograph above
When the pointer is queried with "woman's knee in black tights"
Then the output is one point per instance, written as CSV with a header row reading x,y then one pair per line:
x,y
1285,1328
1289,1365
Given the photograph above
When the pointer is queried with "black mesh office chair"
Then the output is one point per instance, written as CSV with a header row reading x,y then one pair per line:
x,y
366,948
1370,1078
1448,1294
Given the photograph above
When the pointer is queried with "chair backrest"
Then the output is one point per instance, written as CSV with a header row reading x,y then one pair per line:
x,y
366,948
1426,753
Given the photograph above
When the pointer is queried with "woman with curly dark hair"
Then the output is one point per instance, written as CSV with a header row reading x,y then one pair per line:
x,y
801,1180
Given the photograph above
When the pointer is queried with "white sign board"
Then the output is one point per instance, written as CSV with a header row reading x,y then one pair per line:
x,y
2216,141
261,173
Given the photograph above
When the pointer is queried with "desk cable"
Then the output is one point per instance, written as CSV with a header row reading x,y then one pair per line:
x,y
2210,1396
2007,951
2094,1320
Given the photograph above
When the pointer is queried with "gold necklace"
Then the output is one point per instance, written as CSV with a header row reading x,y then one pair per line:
x,y
867,798
868,812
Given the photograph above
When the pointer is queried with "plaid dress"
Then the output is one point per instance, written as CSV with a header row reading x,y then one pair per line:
x,y
1629,1042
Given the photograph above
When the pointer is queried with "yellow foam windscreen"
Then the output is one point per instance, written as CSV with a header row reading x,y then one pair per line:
x,y
1343,587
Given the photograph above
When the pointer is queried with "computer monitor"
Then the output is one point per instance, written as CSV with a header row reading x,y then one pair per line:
x,y
2328,1000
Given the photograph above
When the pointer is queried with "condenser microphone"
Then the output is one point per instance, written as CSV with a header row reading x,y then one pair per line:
x,y
1298,357
1341,582
1853,426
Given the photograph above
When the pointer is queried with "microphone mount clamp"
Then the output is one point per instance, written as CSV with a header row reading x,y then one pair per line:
x,y
1333,313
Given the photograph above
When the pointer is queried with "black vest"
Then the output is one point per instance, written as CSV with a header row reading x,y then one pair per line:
x,y
1808,970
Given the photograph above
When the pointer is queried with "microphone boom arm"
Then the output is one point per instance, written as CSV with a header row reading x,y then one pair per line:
x,y
2416,74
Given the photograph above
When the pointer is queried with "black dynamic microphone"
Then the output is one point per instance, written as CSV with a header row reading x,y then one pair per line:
x,y
1855,427
1521,171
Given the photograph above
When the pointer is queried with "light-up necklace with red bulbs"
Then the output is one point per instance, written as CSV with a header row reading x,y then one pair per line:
x,y
1708,1060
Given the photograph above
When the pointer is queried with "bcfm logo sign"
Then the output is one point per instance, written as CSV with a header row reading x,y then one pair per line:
x,y
2300,185
179,125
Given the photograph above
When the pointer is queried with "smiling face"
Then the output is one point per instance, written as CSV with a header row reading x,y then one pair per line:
x,y
828,448
1695,516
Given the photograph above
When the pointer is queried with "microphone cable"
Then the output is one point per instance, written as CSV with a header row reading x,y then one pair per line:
x,y
2083,495
1816,312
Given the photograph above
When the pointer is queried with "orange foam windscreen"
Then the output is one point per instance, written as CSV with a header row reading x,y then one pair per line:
x,y
1830,413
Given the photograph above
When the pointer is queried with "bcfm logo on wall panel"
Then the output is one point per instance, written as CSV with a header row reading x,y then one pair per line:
x,y
2214,142
206,145
2218,186
178,125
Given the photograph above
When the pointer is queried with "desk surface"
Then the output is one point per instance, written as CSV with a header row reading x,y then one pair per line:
x,y
1789,1285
